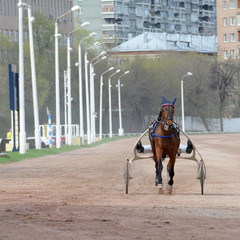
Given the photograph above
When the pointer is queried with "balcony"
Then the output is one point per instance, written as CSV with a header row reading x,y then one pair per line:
x,y
108,27
109,39
108,14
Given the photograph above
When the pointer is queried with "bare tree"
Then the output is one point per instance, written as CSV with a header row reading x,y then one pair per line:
x,y
224,74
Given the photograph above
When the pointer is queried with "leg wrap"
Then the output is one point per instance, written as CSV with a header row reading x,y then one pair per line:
x,y
160,168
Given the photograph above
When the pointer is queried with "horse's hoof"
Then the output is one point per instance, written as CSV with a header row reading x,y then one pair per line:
x,y
169,189
160,186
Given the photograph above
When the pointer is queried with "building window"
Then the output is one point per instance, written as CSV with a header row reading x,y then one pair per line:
x,y
225,5
11,35
232,37
238,19
238,4
233,54
232,4
225,38
232,21
238,52
225,54
225,22
16,36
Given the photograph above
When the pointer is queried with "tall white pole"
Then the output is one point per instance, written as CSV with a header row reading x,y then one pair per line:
x,y
57,35
93,112
69,92
100,108
110,107
58,130
34,82
87,98
182,98
22,133
65,106
81,123
100,102
81,119
91,99
92,103
120,130
110,102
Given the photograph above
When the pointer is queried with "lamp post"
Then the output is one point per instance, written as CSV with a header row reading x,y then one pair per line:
x,y
92,93
100,102
57,35
65,105
182,99
120,130
69,50
110,102
87,92
34,82
22,133
79,64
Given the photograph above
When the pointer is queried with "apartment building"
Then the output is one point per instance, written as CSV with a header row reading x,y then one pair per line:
x,y
228,28
124,18
117,20
50,8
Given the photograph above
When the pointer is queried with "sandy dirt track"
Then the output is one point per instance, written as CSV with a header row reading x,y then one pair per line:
x,y
81,195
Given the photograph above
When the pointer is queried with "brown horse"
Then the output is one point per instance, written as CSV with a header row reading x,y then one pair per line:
x,y
164,140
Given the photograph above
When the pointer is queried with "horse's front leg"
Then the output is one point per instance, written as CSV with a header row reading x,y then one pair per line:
x,y
160,168
170,171
156,173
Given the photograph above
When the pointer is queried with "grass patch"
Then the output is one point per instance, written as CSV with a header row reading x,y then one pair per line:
x,y
34,153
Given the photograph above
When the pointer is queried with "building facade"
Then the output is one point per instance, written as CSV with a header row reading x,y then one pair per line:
x,y
124,18
117,20
228,28
50,8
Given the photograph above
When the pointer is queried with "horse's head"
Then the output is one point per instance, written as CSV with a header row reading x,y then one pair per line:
x,y
166,113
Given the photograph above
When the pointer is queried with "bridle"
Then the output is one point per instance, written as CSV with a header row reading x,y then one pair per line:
x,y
162,121
169,117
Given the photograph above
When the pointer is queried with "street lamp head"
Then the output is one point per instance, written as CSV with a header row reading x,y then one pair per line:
x,y
104,57
127,72
74,8
76,64
189,74
111,68
117,71
84,24
22,4
93,34
96,44
32,19
102,53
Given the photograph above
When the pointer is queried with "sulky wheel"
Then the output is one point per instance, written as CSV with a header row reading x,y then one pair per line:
x,y
127,176
202,175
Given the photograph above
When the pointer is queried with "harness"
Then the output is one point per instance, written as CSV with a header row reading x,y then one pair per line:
x,y
174,127
153,131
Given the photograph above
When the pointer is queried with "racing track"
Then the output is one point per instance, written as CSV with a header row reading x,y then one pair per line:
x,y
81,195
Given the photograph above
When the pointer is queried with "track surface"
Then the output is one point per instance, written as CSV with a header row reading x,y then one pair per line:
x,y
81,195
